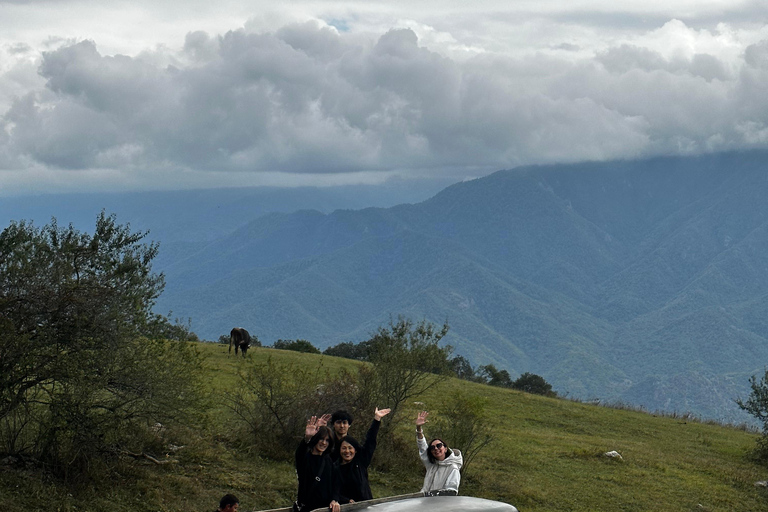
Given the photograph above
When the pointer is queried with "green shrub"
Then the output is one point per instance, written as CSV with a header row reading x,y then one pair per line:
x,y
273,400
464,424
489,374
532,383
78,379
407,361
296,346
757,406
360,351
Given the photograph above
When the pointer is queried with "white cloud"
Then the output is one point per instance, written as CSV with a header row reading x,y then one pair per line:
x,y
286,95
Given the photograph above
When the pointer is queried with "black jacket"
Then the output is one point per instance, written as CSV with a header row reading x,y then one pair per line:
x,y
354,474
318,479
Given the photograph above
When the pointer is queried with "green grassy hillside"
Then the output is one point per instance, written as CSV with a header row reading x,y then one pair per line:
x,y
547,456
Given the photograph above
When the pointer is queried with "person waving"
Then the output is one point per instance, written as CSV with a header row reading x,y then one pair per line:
x,y
318,477
443,464
354,460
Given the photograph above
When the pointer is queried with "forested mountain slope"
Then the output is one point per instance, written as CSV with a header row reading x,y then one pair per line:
x,y
642,281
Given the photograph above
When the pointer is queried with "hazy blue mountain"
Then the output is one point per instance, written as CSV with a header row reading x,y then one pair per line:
x,y
183,220
636,281
206,215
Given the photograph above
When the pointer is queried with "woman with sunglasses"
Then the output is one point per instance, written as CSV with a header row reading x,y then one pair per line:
x,y
318,477
443,464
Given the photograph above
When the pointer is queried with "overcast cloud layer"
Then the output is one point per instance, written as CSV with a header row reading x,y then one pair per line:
x,y
139,96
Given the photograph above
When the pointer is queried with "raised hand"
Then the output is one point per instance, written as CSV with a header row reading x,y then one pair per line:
x,y
421,419
380,413
311,428
323,420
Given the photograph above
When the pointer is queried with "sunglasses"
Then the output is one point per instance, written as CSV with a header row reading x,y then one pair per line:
x,y
436,446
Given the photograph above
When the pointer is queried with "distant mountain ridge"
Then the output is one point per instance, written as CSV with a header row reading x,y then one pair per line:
x,y
639,281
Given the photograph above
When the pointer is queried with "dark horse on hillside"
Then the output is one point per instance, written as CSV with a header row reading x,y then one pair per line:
x,y
240,338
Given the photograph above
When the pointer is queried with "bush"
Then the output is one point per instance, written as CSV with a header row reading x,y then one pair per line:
x,y
274,401
757,406
465,425
461,367
407,361
489,374
532,383
78,379
349,350
296,346
161,327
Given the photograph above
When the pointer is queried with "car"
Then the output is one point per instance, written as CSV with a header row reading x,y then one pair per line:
x,y
419,503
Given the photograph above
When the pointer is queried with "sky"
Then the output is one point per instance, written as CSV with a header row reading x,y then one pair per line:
x,y
157,95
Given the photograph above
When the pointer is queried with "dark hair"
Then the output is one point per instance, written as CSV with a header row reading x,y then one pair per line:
x,y
320,434
431,457
341,415
351,440
227,500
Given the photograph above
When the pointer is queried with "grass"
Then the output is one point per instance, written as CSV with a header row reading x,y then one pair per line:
x,y
547,456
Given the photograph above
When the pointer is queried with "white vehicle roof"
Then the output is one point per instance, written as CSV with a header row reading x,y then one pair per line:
x,y
437,504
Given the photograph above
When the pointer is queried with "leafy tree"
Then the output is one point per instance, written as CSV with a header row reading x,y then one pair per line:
x,y
296,345
347,350
273,400
360,351
757,406
461,367
495,377
161,327
78,378
407,361
465,425
532,383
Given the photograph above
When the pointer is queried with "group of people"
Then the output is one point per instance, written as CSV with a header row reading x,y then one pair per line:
x,y
332,466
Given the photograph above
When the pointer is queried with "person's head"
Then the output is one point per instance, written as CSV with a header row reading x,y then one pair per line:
x,y
321,441
437,450
341,420
229,503
349,447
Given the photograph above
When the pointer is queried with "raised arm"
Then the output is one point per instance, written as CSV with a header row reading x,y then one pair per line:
x,y
301,450
365,454
313,425
380,413
421,419
323,420
311,428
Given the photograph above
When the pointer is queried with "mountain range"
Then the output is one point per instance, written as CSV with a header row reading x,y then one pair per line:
x,y
640,282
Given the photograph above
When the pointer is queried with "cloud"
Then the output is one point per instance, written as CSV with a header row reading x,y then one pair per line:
x,y
307,99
